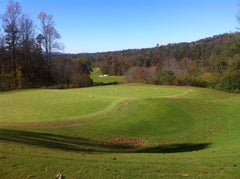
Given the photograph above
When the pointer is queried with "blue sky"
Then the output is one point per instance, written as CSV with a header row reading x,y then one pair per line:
x,y
107,25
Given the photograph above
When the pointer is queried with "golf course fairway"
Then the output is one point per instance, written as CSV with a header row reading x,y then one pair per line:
x,y
120,131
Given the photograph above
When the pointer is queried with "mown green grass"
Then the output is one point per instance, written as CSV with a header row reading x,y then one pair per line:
x,y
193,131
52,105
107,79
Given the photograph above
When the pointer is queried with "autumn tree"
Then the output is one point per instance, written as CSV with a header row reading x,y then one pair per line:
x,y
81,74
49,34
27,40
11,26
2,50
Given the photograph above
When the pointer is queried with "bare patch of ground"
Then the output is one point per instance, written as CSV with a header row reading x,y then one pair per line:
x,y
125,142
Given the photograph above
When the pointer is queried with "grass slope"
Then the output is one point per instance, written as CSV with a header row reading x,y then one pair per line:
x,y
96,73
193,132
49,105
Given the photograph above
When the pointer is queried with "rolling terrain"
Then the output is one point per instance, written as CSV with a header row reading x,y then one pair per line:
x,y
120,131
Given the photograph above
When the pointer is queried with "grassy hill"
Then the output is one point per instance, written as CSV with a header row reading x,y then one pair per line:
x,y
98,77
123,131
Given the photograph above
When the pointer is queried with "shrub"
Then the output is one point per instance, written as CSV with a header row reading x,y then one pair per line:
x,y
76,86
231,81
166,78
60,86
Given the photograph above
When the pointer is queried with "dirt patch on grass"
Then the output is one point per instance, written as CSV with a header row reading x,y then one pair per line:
x,y
122,142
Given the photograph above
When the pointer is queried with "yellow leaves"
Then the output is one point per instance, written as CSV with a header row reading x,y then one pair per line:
x,y
208,77
183,175
29,176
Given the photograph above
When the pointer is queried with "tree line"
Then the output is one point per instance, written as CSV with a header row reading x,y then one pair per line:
x,y
26,53
211,62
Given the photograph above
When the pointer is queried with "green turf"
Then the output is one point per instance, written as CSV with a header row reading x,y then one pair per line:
x,y
95,75
49,105
186,131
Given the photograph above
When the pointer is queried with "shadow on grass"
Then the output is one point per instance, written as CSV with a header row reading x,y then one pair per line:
x,y
174,148
48,140
79,144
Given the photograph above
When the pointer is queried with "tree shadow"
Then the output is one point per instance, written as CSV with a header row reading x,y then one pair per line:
x,y
175,148
80,144
69,143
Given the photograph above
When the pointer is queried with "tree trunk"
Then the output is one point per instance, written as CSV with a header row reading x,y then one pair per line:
x,y
14,66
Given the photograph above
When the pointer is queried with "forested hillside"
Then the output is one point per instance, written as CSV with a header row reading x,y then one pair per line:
x,y
210,62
